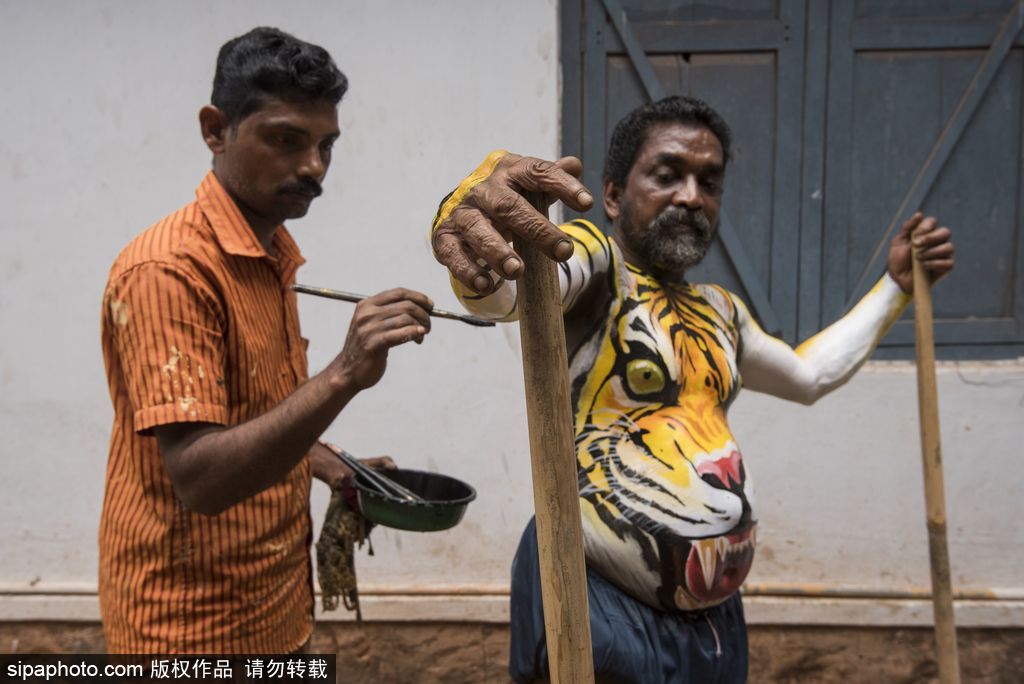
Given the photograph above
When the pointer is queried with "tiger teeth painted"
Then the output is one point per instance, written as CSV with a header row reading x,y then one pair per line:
x,y
708,553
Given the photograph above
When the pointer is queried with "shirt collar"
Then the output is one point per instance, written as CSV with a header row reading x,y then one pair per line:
x,y
232,230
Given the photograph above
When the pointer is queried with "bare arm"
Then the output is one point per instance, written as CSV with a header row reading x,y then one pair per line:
x,y
213,467
830,358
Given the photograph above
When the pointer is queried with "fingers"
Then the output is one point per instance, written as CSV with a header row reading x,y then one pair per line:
x,y
399,294
380,463
924,226
383,335
938,267
511,211
571,165
933,246
937,260
909,225
393,331
392,317
402,313
556,179
399,336
941,251
485,239
928,235
453,252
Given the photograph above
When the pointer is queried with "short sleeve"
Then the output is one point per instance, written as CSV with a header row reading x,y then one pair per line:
x,y
168,335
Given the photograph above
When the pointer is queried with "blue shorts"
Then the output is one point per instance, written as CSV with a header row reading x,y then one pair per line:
x,y
632,641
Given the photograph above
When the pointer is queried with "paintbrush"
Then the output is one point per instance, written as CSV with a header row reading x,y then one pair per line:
x,y
356,298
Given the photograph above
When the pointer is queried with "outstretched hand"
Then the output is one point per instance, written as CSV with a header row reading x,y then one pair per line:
x,y
495,211
933,246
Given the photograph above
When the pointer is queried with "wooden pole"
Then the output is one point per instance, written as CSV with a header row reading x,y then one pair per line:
x,y
553,458
934,489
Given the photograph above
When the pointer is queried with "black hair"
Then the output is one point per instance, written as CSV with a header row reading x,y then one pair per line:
x,y
631,131
269,62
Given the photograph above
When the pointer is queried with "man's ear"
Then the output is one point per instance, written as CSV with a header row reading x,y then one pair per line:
x,y
612,197
214,127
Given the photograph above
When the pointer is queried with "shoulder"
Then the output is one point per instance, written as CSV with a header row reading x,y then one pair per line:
x,y
175,242
584,229
593,248
587,235
727,304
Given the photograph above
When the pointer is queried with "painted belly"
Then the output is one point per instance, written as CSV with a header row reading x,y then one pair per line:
x,y
677,538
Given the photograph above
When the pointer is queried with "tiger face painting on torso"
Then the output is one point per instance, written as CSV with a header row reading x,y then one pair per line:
x,y
666,499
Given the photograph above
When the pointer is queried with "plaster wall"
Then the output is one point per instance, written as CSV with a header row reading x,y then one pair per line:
x,y
101,140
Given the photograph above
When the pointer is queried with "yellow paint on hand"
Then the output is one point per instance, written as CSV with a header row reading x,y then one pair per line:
x,y
474,179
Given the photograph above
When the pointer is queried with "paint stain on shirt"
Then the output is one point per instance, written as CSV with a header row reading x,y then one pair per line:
x,y
119,313
172,362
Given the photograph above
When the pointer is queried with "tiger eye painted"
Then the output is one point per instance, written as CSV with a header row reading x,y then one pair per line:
x,y
644,377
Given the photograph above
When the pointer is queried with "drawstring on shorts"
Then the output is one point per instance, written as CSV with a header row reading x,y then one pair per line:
x,y
714,632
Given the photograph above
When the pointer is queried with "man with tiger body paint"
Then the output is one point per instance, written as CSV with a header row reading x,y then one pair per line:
x,y
668,506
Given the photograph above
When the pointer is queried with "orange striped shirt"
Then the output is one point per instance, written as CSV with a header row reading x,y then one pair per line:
x,y
199,324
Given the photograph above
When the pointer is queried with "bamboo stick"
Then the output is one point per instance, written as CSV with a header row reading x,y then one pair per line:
x,y
934,489
553,459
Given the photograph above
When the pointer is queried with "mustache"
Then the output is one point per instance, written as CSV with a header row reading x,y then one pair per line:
x,y
303,186
676,217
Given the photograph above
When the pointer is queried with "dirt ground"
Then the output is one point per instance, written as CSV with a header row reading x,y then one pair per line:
x,y
455,653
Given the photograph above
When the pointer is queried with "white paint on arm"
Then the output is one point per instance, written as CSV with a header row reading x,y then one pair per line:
x,y
827,360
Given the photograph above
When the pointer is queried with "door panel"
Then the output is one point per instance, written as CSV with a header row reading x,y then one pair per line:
x,y
888,105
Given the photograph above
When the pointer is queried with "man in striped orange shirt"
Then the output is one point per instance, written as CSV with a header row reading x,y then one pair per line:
x,y
205,530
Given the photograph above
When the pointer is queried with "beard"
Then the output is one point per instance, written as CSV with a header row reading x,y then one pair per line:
x,y
676,240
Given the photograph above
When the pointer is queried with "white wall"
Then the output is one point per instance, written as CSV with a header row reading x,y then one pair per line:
x,y
100,140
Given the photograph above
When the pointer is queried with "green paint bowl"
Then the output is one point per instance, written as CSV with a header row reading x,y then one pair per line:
x,y
444,501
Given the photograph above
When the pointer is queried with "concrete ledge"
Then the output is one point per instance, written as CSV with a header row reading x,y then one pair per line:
x,y
493,608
